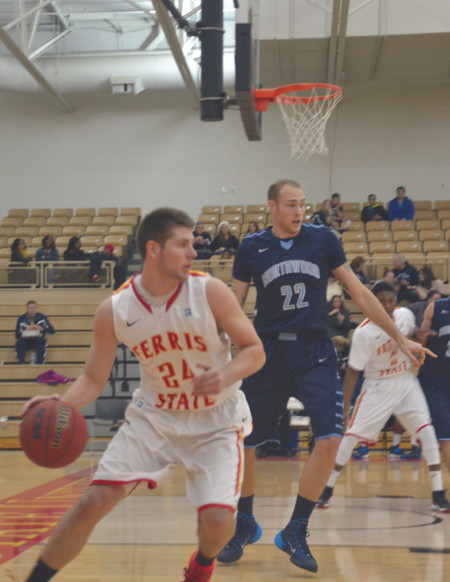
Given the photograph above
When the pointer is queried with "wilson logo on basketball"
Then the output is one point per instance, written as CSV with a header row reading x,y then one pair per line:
x,y
37,426
62,422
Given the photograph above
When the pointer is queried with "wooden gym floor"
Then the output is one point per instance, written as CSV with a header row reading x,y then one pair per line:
x,y
379,526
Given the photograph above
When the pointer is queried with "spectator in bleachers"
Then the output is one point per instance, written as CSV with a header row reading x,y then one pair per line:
x,y
96,259
373,210
253,227
418,308
73,251
225,243
202,241
334,288
388,277
401,207
427,282
357,265
339,318
31,329
323,216
48,251
337,217
342,345
406,279
19,253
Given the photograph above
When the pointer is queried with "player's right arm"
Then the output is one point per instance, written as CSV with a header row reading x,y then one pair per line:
x,y
240,289
99,361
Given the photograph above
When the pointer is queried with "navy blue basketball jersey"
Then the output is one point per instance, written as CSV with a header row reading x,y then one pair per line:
x,y
437,369
291,278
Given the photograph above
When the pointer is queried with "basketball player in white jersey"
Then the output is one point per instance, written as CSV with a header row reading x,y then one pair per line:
x,y
389,388
188,411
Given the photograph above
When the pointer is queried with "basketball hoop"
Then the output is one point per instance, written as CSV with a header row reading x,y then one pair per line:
x,y
306,108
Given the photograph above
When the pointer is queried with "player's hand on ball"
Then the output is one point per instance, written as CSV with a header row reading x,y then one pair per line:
x,y
35,400
209,382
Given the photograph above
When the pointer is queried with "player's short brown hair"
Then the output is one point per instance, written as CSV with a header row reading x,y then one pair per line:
x,y
275,189
158,226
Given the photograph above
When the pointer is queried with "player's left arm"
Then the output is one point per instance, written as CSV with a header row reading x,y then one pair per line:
x,y
373,309
231,319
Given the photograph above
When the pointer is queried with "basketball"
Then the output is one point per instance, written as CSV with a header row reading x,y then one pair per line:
x,y
53,434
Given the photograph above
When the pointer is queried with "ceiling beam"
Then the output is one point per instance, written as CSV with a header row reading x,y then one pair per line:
x,y
171,36
34,72
332,43
340,53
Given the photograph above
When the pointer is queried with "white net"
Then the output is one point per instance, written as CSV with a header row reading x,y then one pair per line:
x,y
305,114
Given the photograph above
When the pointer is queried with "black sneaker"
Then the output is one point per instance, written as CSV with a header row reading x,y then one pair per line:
x,y
440,502
292,540
324,499
248,531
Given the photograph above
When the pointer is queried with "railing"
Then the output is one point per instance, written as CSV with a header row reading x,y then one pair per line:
x,y
56,274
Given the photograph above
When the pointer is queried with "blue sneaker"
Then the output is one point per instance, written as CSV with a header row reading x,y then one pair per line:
x,y
292,540
248,531
361,453
395,453
415,454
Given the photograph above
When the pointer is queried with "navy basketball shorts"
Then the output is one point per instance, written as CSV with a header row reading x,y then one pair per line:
x,y
438,399
307,371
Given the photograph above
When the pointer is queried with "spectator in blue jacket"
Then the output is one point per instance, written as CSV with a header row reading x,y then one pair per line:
x,y
401,207
31,329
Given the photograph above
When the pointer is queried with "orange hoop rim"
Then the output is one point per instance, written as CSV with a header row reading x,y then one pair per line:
x,y
263,97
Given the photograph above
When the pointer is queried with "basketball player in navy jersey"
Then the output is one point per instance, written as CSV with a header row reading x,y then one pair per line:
x,y
434,375
290,265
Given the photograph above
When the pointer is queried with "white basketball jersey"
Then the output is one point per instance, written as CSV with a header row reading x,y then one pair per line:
x,y
375,352
170,340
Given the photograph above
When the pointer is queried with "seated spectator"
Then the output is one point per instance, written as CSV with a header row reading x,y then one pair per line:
x,y
202,241
96,259
406,279
31,329
19,253
73,251
334,288
225,243
427,282
48,251
337,218
253,227
339,320
401,207
18,275
322,217
373,210
388,277
418,308
342,345
357,264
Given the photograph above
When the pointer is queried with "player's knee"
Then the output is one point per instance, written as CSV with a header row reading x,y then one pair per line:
x,y
96,503
217,522
328,446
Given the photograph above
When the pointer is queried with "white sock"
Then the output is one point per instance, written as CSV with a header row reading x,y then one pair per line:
x,y
430,447
333,478
345,451
396,439
436,480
